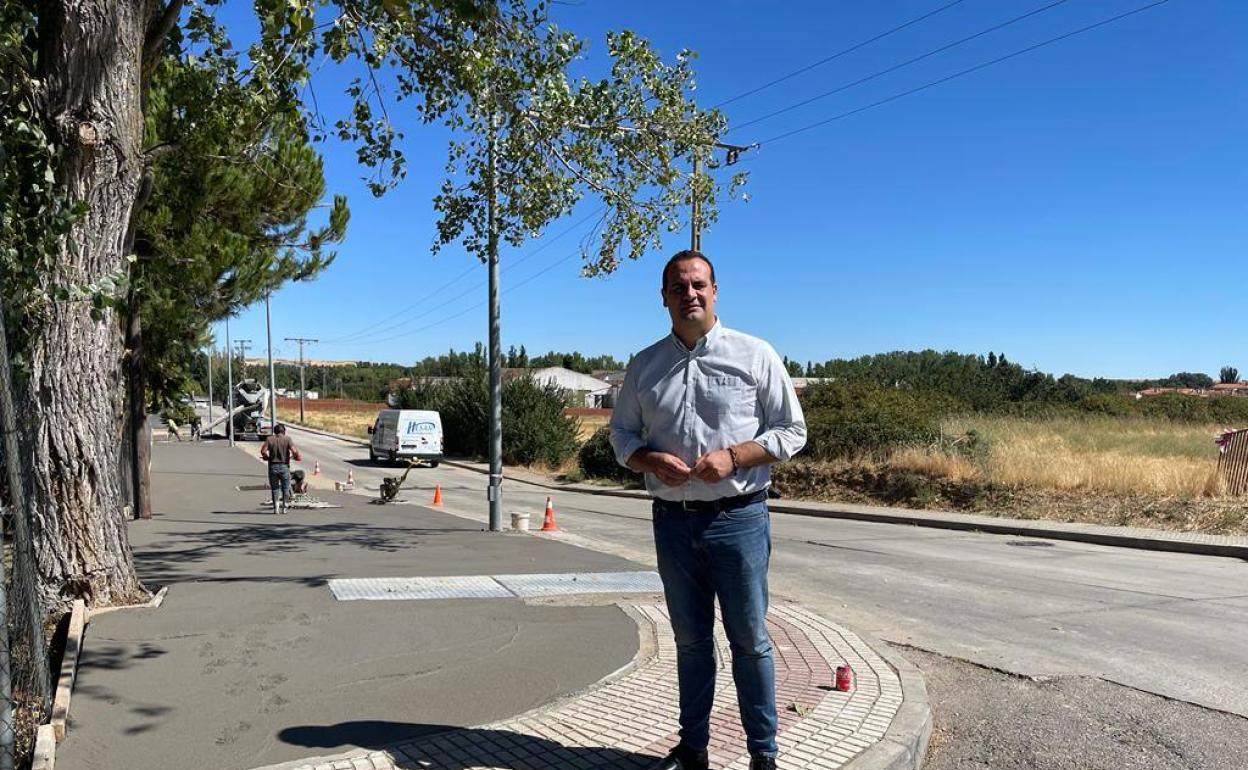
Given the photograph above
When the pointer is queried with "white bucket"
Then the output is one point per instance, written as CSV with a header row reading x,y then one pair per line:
x,y
520,522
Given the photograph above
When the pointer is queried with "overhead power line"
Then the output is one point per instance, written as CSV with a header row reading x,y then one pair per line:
x,y
839,54
365,332
903,64
961,73
478,305
476,287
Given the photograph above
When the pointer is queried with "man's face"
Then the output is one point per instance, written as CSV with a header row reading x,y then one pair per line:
x,y
689,295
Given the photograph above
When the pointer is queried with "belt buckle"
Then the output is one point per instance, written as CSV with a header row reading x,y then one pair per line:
x,y
689,506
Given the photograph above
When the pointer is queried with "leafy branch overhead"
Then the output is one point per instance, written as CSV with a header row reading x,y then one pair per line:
x,y
504,70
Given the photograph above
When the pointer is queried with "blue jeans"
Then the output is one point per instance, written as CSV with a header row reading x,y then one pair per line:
x,y
279,476
704,555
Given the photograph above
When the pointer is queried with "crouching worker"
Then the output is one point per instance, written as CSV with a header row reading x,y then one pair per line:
x,y
298,482
279,450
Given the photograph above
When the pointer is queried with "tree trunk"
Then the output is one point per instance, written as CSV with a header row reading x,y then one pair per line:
x,y
138,439
90,60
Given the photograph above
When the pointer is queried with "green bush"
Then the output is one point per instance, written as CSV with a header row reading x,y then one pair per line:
x,y
859,418
1113,405
1176,406
535,429
466,416
597,460
421,395
1229,410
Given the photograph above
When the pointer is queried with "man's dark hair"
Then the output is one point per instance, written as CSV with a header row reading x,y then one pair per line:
x,y
279,429
685,256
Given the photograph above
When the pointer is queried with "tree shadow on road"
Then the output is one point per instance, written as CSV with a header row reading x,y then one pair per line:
x,y
443,747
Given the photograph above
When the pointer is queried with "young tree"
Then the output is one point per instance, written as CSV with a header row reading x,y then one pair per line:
x,y
226,222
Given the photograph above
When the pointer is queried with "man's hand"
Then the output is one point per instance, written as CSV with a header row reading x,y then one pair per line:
x,y
713,466
670,469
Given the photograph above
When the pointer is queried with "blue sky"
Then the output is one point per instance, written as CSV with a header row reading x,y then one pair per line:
x,y
1080,207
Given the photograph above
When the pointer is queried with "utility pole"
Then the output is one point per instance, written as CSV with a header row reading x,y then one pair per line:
x,y
268,333
301,341
242,354
695,218
494,492
229,379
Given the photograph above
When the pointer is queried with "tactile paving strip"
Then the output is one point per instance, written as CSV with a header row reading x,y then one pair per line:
x,y
382,589
582,583
494,586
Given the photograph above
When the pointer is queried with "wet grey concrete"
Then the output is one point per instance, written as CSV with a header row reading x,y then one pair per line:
x,y
250,661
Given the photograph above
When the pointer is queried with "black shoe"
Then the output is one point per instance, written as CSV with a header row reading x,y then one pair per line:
x,y
684,758
760,762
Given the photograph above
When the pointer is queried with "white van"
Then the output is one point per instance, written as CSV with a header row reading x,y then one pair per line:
x,y
406,433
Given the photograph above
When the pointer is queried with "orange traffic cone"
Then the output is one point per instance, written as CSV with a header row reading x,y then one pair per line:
x,y
316,468
350,478
549,524
437,495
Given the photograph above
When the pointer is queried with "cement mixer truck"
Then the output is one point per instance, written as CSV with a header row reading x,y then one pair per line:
x,y
248,412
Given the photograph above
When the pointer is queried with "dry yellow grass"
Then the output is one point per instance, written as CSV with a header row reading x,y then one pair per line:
x,y
347,422
1109,455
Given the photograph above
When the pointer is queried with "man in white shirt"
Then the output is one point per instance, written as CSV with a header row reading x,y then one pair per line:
x,y
703,413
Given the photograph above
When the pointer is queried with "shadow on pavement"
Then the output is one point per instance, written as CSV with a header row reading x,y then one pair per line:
x,y
283,536
460,748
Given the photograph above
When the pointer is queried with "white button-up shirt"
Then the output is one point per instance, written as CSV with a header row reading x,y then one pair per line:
x,y
729,389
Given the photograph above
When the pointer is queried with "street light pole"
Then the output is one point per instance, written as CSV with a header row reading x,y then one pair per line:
x,y
229,387
268,333
494,492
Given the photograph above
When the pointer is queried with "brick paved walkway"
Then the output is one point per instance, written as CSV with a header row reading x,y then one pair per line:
x,y
630,719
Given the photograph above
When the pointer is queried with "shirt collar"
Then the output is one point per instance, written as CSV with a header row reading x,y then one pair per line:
x,y
702,344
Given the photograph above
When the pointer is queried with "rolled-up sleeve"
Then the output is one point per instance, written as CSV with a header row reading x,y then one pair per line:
x,y
626,425
783,424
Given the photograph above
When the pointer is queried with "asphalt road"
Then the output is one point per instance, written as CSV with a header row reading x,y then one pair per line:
x,y
1171,626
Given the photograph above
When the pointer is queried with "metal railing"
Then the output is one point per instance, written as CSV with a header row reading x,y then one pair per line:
x,y
1233,461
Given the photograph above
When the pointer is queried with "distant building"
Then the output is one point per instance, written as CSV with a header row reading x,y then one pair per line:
x,y
308,395
801,383
1230,389
590,391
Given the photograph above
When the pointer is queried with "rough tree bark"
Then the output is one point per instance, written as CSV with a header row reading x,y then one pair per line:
x,y
91,54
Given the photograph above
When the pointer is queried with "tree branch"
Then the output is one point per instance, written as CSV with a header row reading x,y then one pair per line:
x,y
156,34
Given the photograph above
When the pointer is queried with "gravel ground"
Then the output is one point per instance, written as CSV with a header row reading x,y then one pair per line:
x,y
987,720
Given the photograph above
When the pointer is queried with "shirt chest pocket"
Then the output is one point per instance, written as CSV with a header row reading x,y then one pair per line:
x,y
724,399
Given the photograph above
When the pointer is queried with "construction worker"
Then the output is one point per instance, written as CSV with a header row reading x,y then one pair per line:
x,y
279,450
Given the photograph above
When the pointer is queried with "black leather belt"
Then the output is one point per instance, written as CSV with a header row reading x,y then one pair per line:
x,y
715,506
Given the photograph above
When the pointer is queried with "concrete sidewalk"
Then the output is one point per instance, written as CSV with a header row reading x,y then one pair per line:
x,y
251,661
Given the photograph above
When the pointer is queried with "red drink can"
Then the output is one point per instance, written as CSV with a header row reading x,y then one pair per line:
x,y
844,678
